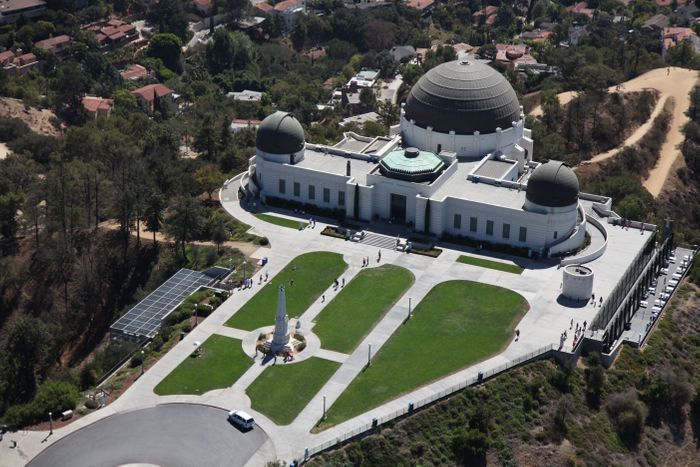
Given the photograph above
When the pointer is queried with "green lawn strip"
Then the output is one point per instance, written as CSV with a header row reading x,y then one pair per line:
x,y
485,263
456,325
282,391
284,222
359,306
221,363
312,273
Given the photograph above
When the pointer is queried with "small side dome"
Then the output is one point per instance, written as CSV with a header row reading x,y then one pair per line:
x,y
552,185
280,133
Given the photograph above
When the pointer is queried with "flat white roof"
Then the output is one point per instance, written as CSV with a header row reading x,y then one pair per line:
x,y
457,186
334,164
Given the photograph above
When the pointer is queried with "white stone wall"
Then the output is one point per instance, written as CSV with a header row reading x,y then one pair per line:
x,y
470,146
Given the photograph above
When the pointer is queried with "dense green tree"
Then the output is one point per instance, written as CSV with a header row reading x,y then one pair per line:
x,y
23,349
168,48
153,214
9,205
185,221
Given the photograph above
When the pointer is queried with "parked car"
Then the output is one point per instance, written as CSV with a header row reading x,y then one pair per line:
x,y
652,290
664,296
669,289
643,304
241,419
673,283
677,277
671,259
659,303
664,271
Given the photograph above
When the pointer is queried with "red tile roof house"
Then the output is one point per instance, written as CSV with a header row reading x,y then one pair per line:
x,y
424,6
148,96
17,63
671,37
97,106
135,73
116,36
204,7
488,13
54,44
581,8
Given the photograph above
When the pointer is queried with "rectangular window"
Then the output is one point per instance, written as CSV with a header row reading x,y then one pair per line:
x,y
458,221
472,224
312,192
341,198
489,227
555,234
297,189
506,230
283,186
326,195
523,234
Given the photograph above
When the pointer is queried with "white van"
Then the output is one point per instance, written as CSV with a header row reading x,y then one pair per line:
x,y
672,283
241,419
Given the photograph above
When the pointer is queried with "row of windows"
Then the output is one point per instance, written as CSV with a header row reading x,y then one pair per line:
x,y
474,225
312,192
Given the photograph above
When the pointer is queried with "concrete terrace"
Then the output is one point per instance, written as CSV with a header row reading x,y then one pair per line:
x,y
541,326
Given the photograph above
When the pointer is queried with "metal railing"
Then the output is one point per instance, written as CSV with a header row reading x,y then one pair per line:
x,y
481,377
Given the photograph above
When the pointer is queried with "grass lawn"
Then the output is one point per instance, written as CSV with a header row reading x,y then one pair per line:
x,y
282,391
456,325
360,305
485,263
284,222
221,364
312,273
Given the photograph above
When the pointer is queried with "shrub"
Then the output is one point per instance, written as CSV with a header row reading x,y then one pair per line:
x,y
87,376
470,446
627,413
90,404
187,327
53,396
136,360
263,241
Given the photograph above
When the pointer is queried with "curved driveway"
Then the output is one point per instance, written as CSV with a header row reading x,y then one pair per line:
x,y
171,434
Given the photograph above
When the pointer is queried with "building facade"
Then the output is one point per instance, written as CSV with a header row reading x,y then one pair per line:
x,y
460,164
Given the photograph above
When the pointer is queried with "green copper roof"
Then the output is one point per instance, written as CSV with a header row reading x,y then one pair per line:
x,y
411,164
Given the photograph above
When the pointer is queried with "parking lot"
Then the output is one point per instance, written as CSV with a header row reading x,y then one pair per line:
x,y
170,434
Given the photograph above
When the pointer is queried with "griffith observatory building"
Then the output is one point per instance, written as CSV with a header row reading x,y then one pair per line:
x,y
459,163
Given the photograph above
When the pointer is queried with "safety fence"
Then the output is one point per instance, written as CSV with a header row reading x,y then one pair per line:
x,y
542,352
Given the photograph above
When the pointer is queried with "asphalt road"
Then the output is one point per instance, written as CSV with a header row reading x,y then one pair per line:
x,y
167,435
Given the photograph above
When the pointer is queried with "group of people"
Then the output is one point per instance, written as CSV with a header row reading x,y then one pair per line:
x,y
365,259
578,333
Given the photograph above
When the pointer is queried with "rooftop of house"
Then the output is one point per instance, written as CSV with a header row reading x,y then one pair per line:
x,y
10,6
656,21
135,72
53,42
580,8
288,5
152,91
264,6
419,4
94,104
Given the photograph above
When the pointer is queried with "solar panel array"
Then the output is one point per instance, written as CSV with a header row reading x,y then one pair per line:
x,y
145,319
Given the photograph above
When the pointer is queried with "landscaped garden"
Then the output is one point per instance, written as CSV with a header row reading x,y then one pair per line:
x,y
282,391
486,263
281,221
217,363
456,325
359,306
306,277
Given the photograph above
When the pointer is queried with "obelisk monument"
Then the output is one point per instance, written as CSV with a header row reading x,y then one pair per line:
x,y
280,339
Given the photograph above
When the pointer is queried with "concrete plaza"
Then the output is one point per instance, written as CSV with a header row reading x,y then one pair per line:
x,y
541,326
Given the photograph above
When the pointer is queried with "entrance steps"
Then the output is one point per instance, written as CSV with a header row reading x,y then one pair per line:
x,y
379,240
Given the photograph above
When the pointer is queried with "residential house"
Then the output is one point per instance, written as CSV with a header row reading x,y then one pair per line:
x,y
135,73
17,63
537,35
288,10
114,33
580,8
11,10
671,37
245,96
240,124
149,96
56,44
204,7
656,22
487,15
264,7
424,6
97,106
403,53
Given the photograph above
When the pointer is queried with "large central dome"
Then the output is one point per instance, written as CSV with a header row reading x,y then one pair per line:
x,y
464,96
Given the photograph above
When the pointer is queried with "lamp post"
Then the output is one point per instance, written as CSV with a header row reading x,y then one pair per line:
x,y
369,354
50,423
195,314
409,307
143,360
324,408
244,271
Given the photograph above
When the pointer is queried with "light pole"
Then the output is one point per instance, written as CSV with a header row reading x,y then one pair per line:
x,y
50,423
195,315
143,360
409,307
369,354
324,408
244,271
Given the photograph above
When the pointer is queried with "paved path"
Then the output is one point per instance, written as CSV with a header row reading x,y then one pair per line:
x,y
676,84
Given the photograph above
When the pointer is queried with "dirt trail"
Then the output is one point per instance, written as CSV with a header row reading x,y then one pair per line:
x,y
246,248
671,82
